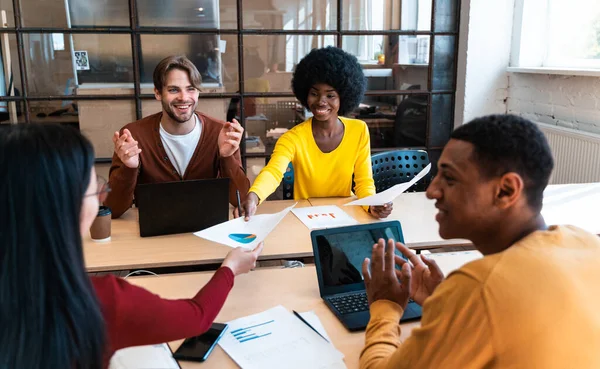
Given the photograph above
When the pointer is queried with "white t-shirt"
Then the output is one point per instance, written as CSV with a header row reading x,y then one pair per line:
x,y
180,148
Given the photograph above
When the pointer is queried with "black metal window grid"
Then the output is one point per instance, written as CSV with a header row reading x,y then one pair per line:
x,y
135,31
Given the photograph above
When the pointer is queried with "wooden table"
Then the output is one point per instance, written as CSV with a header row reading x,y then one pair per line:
x,y
290,239
295,289
575,204
414,211
127,250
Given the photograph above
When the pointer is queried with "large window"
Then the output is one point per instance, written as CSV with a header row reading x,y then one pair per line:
x,y
89,64
557,34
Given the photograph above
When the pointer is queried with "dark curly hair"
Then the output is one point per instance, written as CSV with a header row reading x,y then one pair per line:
x,y
335,67
509,143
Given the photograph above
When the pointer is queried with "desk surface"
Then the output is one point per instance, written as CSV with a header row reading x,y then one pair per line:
x,y
127,250
414,211
563,204
290,239
295,289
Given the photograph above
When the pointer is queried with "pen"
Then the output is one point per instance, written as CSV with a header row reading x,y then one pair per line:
x,y
310,326
237,193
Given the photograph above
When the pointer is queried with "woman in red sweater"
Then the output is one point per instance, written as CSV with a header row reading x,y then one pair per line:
x,y
52,315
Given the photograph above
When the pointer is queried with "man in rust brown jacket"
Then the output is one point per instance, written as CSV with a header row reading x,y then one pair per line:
x,y
176,144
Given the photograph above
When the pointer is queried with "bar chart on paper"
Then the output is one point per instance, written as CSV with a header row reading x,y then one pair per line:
x,y
276,338
253,332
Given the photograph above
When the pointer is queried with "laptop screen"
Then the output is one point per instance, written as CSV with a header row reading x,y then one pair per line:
x,y
340,252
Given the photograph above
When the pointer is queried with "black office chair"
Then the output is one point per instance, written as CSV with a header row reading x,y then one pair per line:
x,y
399,166
411,122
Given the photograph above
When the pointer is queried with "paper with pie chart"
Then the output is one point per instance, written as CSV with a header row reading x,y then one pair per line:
x,y
391,193
237,232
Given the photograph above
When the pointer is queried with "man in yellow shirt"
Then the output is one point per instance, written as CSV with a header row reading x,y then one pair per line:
x,y
531,302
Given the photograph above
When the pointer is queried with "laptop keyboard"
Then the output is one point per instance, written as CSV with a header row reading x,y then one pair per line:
x,y
353,303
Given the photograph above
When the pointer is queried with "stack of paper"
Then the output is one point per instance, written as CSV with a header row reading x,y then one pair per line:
x,y
391,193
147,357
319,217
277,339
238,232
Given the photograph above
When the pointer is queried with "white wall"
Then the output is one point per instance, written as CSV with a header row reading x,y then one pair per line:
x,y
484,87
484,52
566,101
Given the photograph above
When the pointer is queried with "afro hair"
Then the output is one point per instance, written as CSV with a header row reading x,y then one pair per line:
x,y
334,67
509,143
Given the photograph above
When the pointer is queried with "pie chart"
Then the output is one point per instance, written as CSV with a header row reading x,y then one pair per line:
x,y
242,237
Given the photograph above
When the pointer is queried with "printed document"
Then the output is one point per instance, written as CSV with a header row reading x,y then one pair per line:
x,y
391,193
147,357
238,232
276,338
319,217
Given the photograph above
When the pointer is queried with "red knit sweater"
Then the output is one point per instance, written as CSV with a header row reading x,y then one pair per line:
x,y
135,316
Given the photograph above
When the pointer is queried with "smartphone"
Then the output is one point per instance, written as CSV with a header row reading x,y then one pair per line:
x,y
198,348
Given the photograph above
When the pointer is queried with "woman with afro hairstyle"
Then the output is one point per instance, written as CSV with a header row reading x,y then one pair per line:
x,y
328,149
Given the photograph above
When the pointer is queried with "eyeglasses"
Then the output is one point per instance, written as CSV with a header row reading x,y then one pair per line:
x,y
103,189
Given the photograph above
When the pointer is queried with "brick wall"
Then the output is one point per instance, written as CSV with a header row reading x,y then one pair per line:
x,y
566,101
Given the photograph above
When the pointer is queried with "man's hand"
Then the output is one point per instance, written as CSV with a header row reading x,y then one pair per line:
x,y
382,281
127,149
426,274
382,211
229,138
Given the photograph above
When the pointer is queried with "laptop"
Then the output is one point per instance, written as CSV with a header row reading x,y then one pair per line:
x,y
182,206
339,254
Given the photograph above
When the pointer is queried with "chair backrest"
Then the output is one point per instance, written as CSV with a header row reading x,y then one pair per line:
x,y
288,183
286,114
399,166
411,122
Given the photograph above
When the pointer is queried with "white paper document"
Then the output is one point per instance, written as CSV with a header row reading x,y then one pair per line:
x,y
238,232
276,338
319,217
146,357
391,193
315,322
451,261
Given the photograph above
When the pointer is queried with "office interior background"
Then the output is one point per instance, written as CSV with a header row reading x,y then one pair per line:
x,y
431,65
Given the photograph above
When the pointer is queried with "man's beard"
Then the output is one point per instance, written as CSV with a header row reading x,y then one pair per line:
x,y
171,112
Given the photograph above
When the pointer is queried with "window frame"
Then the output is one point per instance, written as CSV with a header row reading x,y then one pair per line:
x,y
135,31
531,40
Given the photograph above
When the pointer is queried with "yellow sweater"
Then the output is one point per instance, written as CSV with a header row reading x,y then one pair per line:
x,y
535,305
319,174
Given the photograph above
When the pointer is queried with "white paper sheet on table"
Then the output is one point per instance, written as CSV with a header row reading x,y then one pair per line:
x,y
238,232
147,357
391,193
276,338
319,217
312,319
451,261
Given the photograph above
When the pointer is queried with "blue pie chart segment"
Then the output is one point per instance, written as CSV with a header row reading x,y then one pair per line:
x,y
242,237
